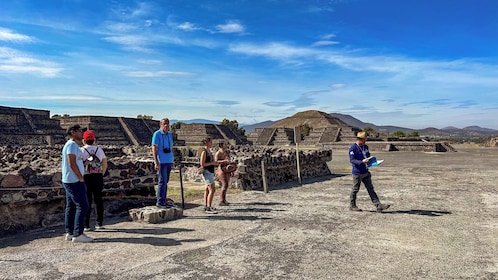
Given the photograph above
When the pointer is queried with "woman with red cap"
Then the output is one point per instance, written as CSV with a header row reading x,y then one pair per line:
x,y
95,168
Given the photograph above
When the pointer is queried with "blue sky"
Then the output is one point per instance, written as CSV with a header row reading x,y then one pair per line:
x,y
411,63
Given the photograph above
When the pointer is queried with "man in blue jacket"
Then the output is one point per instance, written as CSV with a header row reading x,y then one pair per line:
x,y
358,154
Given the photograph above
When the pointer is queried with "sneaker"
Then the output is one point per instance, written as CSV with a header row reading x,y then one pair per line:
x,y
355,208
211,210
170,202
381,207
99,227
162,206
68,237
87,229
224,203
206,208
82,238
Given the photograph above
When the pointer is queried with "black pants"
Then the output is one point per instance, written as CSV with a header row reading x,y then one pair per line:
x,y
94,185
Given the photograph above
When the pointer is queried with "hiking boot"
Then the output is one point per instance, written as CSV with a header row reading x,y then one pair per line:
x,y
82,238
381,207
355,208
68,237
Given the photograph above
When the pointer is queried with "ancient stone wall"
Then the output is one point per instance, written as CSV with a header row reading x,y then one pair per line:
x,y
30,177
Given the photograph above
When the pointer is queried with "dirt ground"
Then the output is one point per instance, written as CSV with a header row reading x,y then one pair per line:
x,y
443,224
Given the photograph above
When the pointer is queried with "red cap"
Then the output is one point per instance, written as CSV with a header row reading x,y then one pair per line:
x,y
88,135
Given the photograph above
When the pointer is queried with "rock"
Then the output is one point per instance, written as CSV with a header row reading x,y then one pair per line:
x,y
12,181
154,215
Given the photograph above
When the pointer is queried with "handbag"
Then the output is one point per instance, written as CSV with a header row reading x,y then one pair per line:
x,y
229,167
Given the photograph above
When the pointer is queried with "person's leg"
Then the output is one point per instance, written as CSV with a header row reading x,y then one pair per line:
x,y
81,202
367,180
97,196
211,189
224,185
161,185
76,192
166,180
89,195
70,210
206,193
354,190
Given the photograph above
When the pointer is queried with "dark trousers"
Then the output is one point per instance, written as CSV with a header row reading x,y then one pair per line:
x,y
94,185
367,180
76,207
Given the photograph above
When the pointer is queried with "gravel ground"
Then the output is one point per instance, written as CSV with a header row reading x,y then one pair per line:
x,y
442,225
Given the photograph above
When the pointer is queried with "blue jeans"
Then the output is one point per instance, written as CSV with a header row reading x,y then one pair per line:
x,y
162,182
366,178
76,207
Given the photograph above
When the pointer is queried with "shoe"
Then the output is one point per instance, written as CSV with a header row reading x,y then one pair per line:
x,y
170,202
355,208
97,227
163,206
68,237
381,207
87,229
82,238
224,203
211,210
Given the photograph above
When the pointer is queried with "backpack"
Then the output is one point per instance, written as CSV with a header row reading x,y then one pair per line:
x,y
93,164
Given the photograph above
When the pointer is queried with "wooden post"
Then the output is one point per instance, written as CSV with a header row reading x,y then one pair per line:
x,y
263,174
181,187
298,164
297,140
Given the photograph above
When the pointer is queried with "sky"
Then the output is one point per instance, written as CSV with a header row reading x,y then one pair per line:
x,y
410,63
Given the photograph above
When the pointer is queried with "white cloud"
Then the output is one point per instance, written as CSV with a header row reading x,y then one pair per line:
x,y
151,74
231,26
188,26
8,35
12,61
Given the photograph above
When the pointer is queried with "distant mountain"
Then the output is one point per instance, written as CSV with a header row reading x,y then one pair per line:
x,y
252,127
469,131
195,121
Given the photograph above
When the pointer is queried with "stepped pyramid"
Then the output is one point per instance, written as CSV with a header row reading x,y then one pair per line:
x,y
324,129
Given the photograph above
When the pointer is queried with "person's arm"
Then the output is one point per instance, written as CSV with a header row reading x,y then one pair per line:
x,y
353,159
154,155
74,166
104,165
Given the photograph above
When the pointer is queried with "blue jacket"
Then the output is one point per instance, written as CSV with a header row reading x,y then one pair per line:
x,y
358,153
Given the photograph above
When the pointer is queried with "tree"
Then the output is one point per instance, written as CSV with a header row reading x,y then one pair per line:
x,y
234,125
369,130
305,130
144,117
399,133
413,134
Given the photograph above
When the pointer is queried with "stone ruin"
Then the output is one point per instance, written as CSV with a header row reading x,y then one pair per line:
x,y
31,194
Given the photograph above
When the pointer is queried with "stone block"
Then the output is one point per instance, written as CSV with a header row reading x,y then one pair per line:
x,y
154,215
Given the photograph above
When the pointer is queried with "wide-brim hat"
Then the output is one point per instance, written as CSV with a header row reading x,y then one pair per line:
x,y
361,135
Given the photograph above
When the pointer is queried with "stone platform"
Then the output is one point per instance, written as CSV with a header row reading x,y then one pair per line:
x,y
155,215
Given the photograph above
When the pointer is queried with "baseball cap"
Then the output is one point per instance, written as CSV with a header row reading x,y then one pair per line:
x,y
89,135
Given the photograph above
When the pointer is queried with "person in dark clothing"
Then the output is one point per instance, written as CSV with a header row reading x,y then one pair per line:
x,y
95,167
358,156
